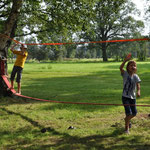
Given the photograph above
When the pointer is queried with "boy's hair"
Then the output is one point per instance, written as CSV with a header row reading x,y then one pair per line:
x,y
130,62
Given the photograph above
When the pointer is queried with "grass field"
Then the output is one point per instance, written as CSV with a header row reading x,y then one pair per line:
x,y
95,127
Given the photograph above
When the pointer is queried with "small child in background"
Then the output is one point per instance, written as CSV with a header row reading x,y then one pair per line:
x,y
131,84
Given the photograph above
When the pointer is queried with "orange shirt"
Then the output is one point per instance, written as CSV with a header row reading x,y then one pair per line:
x,y
20,60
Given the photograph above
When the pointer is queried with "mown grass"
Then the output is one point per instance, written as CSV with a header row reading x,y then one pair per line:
x,y
95,127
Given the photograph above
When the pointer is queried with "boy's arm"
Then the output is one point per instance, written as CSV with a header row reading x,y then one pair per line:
x,y
127,58
25,53
138,89
12,48
121,66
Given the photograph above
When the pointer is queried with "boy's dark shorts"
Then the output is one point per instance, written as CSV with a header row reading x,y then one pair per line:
x,y
18,70
129,110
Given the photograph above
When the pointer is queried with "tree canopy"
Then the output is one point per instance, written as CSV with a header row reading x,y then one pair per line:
x,y
59,21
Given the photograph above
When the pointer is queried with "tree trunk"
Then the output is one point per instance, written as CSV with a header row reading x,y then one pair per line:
x,y
104,54
9,31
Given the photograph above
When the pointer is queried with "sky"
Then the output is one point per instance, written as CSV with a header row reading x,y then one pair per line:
x,y
141,4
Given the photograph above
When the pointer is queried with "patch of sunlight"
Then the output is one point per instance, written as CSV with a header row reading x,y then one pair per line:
x,y
68,94
144,100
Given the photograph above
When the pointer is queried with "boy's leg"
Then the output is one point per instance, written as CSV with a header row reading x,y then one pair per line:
x,y
12,77
127,121
18,79
19,88
12,84
126,102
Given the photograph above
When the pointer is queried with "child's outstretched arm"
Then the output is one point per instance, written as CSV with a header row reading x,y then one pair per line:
x,y
127,58
138,90
12,48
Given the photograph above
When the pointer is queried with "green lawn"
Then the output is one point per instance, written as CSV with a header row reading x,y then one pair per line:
x,y
95,127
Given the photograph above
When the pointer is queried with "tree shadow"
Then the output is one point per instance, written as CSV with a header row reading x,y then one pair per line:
x,y
93,88
65,141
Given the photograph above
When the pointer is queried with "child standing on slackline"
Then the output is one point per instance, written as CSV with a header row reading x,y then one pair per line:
x,y
131,85
18,66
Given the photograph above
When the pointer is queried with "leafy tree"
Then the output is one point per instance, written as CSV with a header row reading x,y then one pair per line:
x,y
142,51
147,13
41,55
70,50
112,19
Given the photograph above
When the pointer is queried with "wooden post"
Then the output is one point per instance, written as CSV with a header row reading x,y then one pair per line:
x,y
3,72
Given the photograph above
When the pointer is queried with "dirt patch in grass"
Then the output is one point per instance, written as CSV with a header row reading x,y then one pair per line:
x,y
147,116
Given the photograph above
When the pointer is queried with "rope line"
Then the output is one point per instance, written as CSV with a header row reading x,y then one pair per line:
x,y
63,102
109,41
81,103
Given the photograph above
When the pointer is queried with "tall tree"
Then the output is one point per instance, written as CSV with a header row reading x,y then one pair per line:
x,y
112,19
147,13
9,19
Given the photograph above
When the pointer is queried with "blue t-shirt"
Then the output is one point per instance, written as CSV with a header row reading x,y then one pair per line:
x,y
129,85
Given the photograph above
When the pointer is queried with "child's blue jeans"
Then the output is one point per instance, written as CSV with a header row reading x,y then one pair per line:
x,y
129,110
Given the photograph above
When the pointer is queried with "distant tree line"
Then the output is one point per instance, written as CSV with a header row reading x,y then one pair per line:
x,y
117,51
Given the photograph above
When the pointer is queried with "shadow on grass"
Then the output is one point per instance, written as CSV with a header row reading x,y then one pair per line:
x,y
97,87
50,140
93,88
